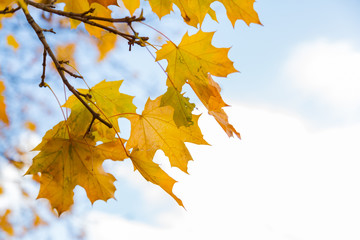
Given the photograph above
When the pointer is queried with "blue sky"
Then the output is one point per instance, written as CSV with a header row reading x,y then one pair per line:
x,y
294,175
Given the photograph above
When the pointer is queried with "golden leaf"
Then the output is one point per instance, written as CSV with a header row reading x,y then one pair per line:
x,y
208,91
67,162
241,10
99,11
11,41
105,100
161,7
78,6
155,129
105,3
105,44
194,58
5,225
182,107
30,125
3,116
131,5
153,173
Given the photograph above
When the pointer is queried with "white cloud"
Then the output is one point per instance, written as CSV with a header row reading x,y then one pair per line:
x,y
282,181
329,70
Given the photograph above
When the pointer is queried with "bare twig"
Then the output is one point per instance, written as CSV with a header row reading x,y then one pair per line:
x,y
86,18
89,128
71,73
8,10
39,32
42,84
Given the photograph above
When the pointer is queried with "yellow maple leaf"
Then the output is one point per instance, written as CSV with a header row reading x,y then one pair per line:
x,y
161,7
66,53
11,41
153,173
208,91
3,5
99,11
3,116
5,225
155,129
194,11
182,107
105,100
105,3
194,61
6,3
131,5
30,125
105,44
194,58
241,10
199,9
78,6
67,161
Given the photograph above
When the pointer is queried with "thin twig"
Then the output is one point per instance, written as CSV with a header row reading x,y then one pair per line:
x,y
85,18
39,32
8,10
71,73
42,84
89,128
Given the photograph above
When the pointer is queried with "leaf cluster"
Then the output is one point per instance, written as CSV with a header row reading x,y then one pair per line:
x,y
73,151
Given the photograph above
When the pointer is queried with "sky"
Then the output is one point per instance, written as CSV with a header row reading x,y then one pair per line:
x,y
294,175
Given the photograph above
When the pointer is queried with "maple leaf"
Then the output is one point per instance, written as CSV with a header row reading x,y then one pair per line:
x,y
6,3
131,5
78,6
65,53
199,9
67,161
152,172
105,3
99,11
241,9
105,100
193,61
11,41
5,225
105,44
155,129
182,107
3,116
194,12
208,91
194,58
161,7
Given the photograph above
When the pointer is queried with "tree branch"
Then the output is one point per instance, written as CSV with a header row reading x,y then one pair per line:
x,y
39,32
86,18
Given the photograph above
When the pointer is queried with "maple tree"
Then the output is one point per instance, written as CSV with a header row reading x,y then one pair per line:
x,y
73,151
